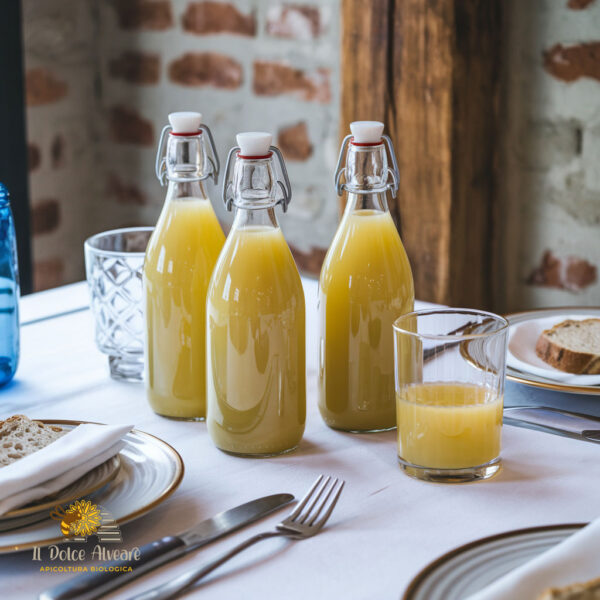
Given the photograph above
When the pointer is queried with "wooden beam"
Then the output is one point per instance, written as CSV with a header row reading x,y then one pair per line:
x,y
475,150
365,50
364,62
437,80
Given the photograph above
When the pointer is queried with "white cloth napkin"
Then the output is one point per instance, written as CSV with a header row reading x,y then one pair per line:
x,y
60,463
573,561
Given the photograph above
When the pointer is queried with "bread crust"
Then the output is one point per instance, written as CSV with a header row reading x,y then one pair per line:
x,y
20,436
21,418
590,590
564,359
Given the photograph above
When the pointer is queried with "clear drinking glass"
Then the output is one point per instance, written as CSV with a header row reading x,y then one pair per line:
x,y
113,263
449,375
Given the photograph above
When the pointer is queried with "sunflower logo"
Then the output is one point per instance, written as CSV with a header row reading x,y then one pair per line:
x,y
81,519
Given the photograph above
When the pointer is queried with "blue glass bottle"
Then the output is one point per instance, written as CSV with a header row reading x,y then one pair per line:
x,y
9,292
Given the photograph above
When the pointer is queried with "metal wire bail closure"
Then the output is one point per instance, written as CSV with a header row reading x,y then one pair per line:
x,y
213,156
285,187
392,172
160,165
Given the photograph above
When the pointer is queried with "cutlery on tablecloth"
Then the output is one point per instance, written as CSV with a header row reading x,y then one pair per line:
x,y
553,420
304,521
93,585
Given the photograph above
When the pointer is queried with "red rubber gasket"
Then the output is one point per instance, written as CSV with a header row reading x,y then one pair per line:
x,y
186,134
364,143
255,157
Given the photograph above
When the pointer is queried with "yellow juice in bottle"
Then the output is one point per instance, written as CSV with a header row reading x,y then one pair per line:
x,y
256,376
256,345
179,262
448,425
365,285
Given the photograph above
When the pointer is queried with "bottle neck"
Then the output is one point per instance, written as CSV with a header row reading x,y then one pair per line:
x,y
376,201
254,184
186,190
366,168
366,178
254,193
255,217
186,158
366,171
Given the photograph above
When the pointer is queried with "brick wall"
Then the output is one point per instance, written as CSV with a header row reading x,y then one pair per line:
x,y
550,189
62,134
102,75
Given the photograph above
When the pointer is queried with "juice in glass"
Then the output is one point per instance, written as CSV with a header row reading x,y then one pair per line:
x,y
366,283
449,371
448,425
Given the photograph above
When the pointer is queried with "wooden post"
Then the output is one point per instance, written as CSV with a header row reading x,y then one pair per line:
x,y
432,70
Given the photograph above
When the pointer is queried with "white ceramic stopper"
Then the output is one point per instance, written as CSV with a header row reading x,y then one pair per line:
x,y
185,122
366,132
254,143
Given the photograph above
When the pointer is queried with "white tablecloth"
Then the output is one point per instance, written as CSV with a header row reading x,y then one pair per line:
x,y
386,526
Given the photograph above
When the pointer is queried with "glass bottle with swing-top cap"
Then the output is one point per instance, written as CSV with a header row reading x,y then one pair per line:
x,y
365,285
9,291
255,313
179,261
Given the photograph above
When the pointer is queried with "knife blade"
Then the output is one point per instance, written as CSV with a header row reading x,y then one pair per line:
x,y
95,584
553,420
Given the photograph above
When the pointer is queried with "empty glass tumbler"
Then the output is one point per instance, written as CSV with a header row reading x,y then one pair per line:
x,y
450,367
9,292
114,261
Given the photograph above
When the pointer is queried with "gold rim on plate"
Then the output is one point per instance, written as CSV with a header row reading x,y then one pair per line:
x,y
179,471
423,574
31,509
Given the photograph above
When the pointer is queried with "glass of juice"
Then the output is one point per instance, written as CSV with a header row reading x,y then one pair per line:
x,y
449,376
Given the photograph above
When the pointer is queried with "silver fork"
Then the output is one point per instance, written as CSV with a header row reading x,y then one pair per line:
x,y
303,522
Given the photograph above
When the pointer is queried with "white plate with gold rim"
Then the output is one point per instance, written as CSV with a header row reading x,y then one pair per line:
x,y
522,367
151,470
472,567
86,485
522,341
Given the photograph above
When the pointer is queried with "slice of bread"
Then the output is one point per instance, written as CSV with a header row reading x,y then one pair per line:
x,y
578,591
572,346
20,436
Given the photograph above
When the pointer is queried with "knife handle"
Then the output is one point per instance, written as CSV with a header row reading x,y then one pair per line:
x,y
95,584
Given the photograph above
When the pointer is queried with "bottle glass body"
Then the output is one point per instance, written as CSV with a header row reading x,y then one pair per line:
x,y
256,341
365,284
179,262
9,295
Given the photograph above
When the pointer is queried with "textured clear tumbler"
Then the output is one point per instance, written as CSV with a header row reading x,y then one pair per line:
x,y
113,263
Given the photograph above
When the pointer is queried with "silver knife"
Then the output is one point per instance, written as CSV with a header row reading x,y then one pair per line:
x,y
93,585
569,424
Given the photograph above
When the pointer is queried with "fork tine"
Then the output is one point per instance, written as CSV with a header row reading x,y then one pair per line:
x,y
306,498
326,516
314,515
307,511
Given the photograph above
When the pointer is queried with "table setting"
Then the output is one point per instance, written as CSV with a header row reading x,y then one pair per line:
x,y
197,396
